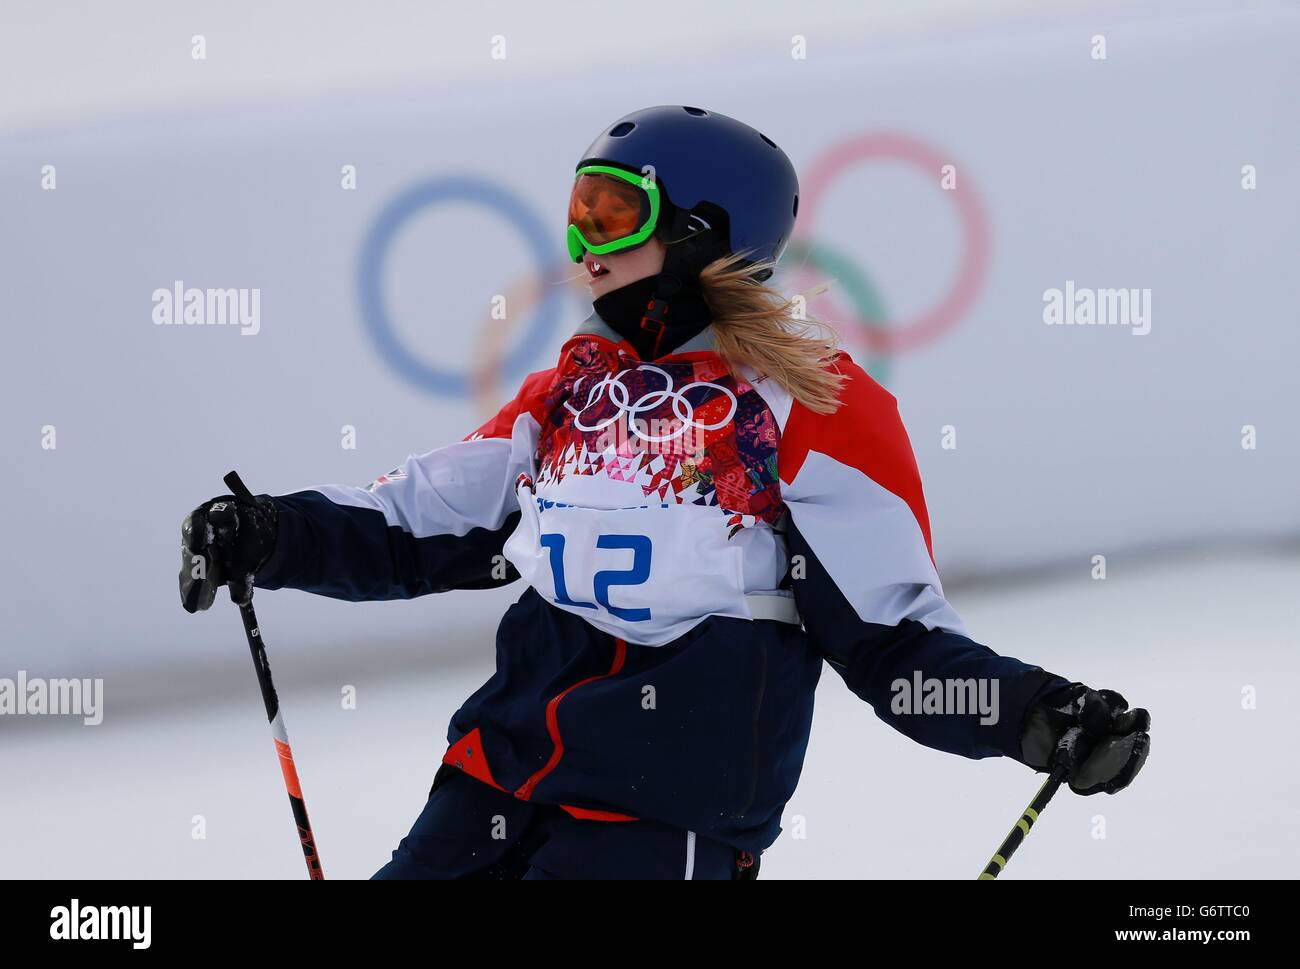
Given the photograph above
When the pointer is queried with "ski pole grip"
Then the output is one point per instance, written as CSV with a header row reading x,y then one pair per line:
x,y
239,489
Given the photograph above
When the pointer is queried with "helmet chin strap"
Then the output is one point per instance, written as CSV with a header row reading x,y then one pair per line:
x,y
654,321
696,242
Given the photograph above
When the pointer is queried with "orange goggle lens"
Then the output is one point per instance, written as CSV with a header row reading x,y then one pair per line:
x,y
606,209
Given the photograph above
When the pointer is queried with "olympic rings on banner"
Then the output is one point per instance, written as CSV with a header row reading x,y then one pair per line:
x,y
912,333
374,309
538,300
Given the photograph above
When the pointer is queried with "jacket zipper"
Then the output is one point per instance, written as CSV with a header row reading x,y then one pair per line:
x,y
553,722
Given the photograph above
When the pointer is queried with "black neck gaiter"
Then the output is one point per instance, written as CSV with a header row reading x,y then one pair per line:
x,y
624,308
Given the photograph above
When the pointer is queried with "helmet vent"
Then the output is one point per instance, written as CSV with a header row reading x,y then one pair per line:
x,y
698,112
768,140
621,129
795,213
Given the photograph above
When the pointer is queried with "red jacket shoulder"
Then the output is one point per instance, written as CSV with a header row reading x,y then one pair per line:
x,y
530,398
866,433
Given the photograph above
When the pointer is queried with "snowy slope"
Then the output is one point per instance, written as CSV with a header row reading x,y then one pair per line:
x,y
1216,798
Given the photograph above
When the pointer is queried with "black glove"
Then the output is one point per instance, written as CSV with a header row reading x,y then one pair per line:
x,y
224,541
1100,742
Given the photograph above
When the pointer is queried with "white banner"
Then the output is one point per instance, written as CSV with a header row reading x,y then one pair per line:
x,y
1077,275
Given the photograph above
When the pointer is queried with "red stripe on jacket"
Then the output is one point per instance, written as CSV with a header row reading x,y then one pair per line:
x,y
866,433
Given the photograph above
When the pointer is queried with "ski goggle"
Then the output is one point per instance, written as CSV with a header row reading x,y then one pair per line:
x,y
610,210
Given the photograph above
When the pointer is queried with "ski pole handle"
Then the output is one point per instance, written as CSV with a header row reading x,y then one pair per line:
x,y
1021,830
239,489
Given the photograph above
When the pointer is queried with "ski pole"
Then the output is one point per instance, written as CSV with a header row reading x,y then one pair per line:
x,y
1021,830
272,702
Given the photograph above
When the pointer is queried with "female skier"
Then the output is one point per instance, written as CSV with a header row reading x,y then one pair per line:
x,y
706,502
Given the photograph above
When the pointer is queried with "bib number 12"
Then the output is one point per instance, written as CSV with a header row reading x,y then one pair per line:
x,y
605,579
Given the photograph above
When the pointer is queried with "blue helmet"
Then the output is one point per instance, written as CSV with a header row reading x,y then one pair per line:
x,y
721,179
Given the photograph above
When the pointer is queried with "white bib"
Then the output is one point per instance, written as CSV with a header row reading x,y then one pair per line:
x,y
646,574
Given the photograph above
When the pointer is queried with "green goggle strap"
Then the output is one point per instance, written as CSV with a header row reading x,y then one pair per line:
x,y
578,243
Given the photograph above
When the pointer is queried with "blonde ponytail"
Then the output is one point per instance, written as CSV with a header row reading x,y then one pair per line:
x,y
755,326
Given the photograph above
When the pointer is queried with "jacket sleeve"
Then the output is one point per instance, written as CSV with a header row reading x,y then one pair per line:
x,y
436,522
867,588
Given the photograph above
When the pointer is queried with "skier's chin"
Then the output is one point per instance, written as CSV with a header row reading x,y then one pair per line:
x,y
600,285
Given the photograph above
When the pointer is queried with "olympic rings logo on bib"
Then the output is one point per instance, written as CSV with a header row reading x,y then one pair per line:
x,y
612,389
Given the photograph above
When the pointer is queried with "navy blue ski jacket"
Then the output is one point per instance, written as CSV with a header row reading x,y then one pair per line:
x,y
696,544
